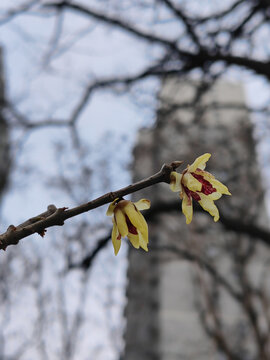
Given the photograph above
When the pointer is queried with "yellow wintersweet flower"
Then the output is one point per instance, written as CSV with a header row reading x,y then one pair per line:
x,y
128,221
195,183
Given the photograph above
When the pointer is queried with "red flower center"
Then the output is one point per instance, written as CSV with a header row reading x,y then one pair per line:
x,y
192,194
131,227
207,187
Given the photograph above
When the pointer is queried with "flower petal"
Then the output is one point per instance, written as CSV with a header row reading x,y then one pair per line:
x,y
115,239
191,183
175,183
208,205
187,207
199,163
143,241
134,239
111,208
220,187
215,183
121,223
214,196
142,204
143,229
206,175
135,216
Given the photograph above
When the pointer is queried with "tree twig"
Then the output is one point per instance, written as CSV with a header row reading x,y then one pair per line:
x,y
56,216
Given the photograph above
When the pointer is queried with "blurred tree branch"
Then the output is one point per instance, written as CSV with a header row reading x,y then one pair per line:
x,y
191,60
255,232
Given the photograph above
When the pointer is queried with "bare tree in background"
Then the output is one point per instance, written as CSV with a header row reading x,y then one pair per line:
x,y
4,136
206,41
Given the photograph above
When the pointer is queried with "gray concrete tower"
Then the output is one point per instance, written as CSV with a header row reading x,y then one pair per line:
x,y
176,308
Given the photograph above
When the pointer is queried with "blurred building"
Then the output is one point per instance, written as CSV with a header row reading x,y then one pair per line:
x,y
176,308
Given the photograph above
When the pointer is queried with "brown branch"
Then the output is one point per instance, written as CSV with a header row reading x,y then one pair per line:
x,y
54,41
118,23
57,216
182,16
156,70
88,260
152,71
258,66
190,59
219,15
23,8
18,119
214,105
